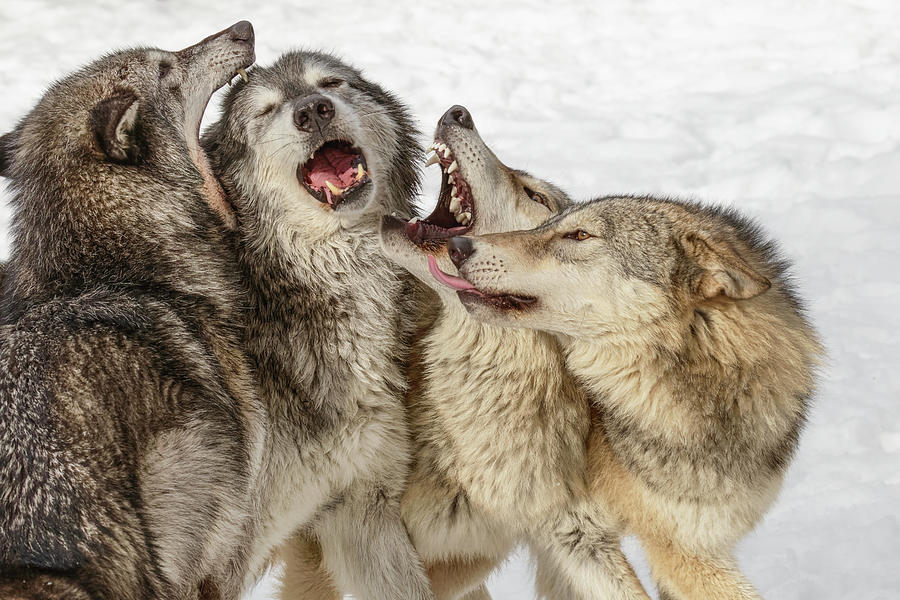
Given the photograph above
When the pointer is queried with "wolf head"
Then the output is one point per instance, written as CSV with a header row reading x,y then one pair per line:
x,y
479,194
617,267
314,145
107,174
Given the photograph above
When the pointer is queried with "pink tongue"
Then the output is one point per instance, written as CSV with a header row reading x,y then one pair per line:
x,y
334,165
457,283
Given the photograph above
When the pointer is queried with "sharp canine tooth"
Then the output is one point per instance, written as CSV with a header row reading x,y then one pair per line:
x,y
434,159
452,167
414,220
243,75
454,204
360,172
334,189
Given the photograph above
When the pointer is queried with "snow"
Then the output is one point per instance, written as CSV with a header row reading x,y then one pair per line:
x,y
790,111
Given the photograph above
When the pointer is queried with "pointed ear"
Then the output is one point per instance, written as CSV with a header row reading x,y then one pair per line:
x,y
8,144
720,272
112,121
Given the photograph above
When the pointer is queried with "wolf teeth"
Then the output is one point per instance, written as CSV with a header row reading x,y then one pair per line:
x,y
464,218
452,167
414,220
446,152
360,172
334,189
455,204
243,75
434,159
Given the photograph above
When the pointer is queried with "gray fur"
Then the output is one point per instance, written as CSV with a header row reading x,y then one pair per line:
x,y
129,420
327,331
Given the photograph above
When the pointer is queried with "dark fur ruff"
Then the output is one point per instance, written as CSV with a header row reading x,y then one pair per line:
x,y
330,317
125,459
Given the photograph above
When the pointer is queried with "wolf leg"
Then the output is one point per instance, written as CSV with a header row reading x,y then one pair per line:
x,y
305,577
367,548
461,578
687,576
579,558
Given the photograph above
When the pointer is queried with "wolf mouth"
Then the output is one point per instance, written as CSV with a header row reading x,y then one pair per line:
x,y
455,211
468,292
335,173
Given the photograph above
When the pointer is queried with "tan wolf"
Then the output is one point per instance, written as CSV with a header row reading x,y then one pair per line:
x,y
682,322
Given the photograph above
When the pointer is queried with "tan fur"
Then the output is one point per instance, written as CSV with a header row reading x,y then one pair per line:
x,y
681,323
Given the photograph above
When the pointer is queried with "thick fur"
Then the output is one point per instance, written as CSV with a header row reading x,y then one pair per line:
x,y
500,427
681,321
328,330
130,434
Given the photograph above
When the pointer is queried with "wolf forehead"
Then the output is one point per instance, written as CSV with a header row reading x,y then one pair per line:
x,y
293,75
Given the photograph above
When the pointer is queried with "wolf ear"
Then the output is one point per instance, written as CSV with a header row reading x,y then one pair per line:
x,y
8,145
112,121
721,271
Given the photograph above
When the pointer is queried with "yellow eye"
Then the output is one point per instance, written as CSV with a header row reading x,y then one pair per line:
x,y
537,197
579,235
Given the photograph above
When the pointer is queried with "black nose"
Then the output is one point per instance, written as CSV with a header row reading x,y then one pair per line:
x,y
458,115
460,249
242,31
313,111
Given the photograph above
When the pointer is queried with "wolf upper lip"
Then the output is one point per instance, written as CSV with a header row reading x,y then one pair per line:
x,y
455,210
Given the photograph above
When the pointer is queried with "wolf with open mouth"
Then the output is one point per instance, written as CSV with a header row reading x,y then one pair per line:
x,y
130,426
500,426
311,155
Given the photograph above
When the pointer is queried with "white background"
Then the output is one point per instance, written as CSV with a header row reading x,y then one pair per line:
x,y
788,110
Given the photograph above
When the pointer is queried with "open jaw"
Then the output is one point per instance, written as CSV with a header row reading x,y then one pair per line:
x,y
455,210
466,291
335,173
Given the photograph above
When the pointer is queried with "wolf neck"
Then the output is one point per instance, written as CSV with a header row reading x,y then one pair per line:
x,y
483,383
721,389
324,318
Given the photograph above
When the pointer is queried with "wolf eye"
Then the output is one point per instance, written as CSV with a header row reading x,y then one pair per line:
x,y
164,69
268,109
578,235
537,197
332,82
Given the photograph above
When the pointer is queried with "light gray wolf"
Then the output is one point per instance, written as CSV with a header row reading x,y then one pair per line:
x,y
130,428
682,322
311,154
500,428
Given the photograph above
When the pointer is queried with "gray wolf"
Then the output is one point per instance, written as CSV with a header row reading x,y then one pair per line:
x,y
130,428
499,426
682,323
311,154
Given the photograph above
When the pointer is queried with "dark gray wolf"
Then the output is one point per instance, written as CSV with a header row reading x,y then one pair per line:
x,y
130,430
311,154
682,323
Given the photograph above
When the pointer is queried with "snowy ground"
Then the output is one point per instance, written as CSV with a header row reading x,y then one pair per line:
x,y
790,111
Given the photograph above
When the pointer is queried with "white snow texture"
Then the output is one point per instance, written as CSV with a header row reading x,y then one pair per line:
x,y
787,110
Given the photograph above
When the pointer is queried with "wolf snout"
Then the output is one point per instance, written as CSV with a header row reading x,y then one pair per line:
x,y
458,115
313,111
460,249
242,31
